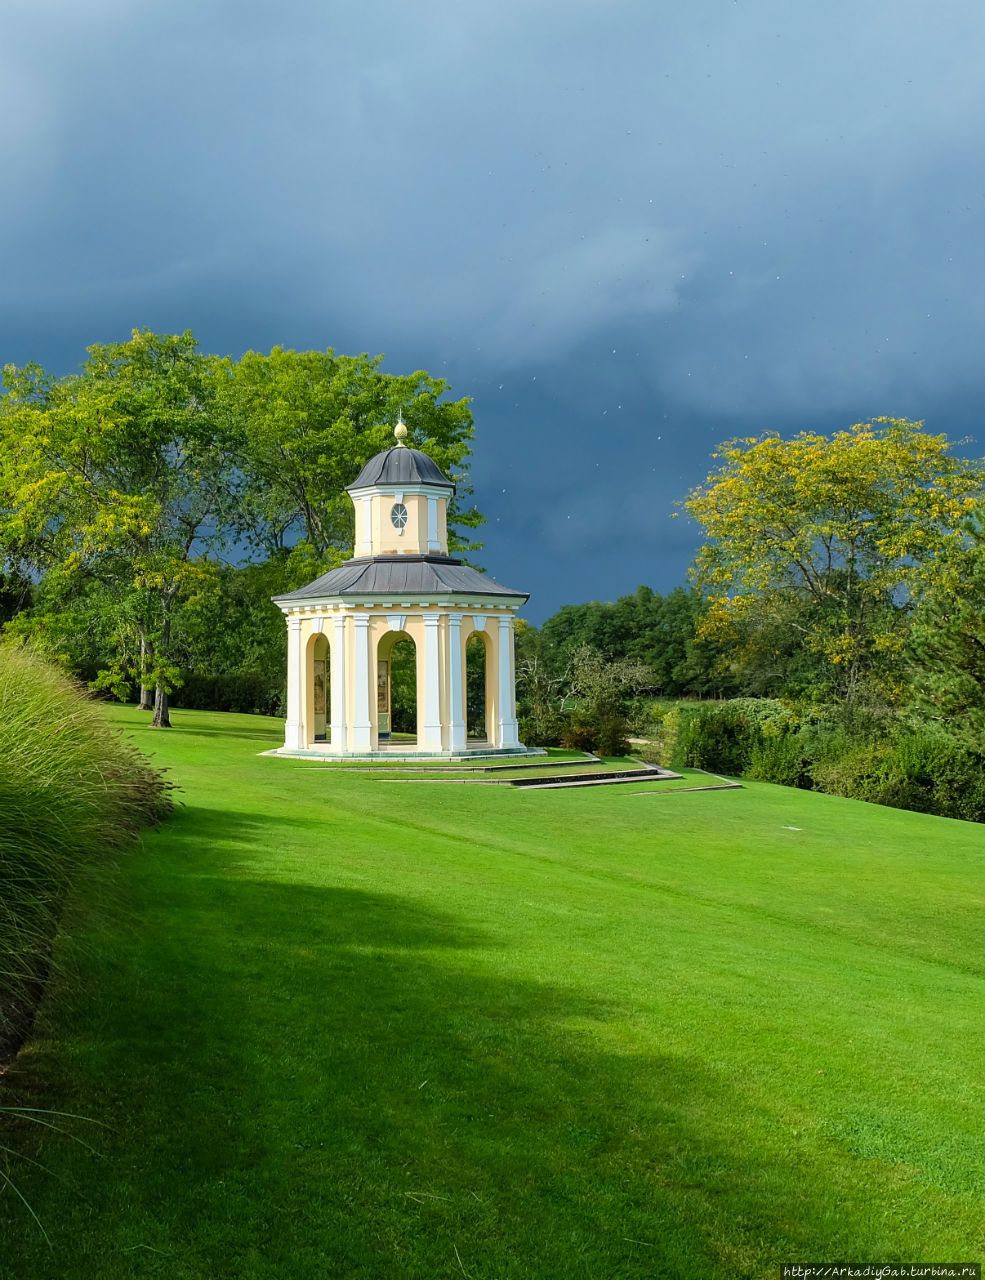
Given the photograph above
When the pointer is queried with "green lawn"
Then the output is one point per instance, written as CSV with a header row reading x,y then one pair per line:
x,y
338,1027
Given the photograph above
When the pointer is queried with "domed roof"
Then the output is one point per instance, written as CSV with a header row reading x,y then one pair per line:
x,y
395,576
400,465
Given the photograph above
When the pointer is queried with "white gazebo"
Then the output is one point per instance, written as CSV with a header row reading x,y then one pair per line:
x,y
400,584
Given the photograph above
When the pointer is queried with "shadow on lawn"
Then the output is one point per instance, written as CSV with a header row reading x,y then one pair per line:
x,y
322,1082
273,737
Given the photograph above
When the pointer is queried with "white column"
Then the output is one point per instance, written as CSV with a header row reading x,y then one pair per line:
x,y
366,520
294,730
339,683
432,685
433,543
508,736
362,728
458,739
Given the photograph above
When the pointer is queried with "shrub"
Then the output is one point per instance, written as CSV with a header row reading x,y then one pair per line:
x,y
544,730
604,734
782,758
670,732
926,772
611,737
645,717
579,737
850,769
71,790
858,752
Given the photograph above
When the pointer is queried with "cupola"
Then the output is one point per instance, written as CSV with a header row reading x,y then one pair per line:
x,y
401,500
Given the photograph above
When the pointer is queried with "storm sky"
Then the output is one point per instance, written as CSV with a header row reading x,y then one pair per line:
x,y
627,230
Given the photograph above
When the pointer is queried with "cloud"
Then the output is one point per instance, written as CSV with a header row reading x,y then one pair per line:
x,y
546,306
714,215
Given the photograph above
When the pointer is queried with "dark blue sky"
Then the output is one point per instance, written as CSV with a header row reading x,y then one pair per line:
x,y
627,230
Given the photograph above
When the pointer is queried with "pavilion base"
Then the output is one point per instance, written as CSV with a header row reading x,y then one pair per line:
x,y
481,751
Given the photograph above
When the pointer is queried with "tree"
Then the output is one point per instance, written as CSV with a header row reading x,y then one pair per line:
x,y
309,420
121,476
659,631
948,639
839,535
16,594
601,686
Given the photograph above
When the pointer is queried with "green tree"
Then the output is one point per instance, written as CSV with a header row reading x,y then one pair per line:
x,y
309,420
601,686
659,631
121,476
948,639
849,526
16,594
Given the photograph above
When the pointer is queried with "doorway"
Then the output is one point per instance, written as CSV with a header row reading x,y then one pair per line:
x,y
477,708
396,690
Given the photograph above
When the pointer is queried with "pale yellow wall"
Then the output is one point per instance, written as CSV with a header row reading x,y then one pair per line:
x,y
386,540
414,539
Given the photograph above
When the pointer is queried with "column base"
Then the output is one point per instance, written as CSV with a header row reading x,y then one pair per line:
x,y
362,737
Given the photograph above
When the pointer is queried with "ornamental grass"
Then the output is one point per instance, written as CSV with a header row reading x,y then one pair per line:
x,y
72,790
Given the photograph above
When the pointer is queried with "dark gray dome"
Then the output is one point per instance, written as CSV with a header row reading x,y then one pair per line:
x,y
400,465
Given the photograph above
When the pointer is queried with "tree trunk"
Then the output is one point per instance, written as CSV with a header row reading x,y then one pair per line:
x,y
161,718
146,654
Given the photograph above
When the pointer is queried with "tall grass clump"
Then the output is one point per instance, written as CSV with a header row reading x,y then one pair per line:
x,y
72,790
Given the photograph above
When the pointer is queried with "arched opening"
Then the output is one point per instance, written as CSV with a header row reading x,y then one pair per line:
x,y
478,704
319,676
396,690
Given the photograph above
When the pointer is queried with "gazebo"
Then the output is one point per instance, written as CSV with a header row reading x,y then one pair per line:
x,y
401,583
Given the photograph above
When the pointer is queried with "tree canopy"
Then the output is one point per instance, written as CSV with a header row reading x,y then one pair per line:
x,y
833,539
308,421
948,638
134,490
122,478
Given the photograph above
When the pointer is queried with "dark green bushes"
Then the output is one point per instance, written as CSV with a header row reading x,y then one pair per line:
x,y
71,791
926,771
252,693
862,756
543,730
722,736
604,734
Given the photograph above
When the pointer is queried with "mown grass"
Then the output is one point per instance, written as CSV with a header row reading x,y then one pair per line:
x,y
345,1029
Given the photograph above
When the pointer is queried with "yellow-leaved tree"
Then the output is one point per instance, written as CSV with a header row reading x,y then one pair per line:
x,y
818,547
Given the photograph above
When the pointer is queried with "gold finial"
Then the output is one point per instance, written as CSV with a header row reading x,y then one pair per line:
x,y
400,430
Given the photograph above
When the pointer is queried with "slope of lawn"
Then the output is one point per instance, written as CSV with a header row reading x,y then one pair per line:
x,y
336,1027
